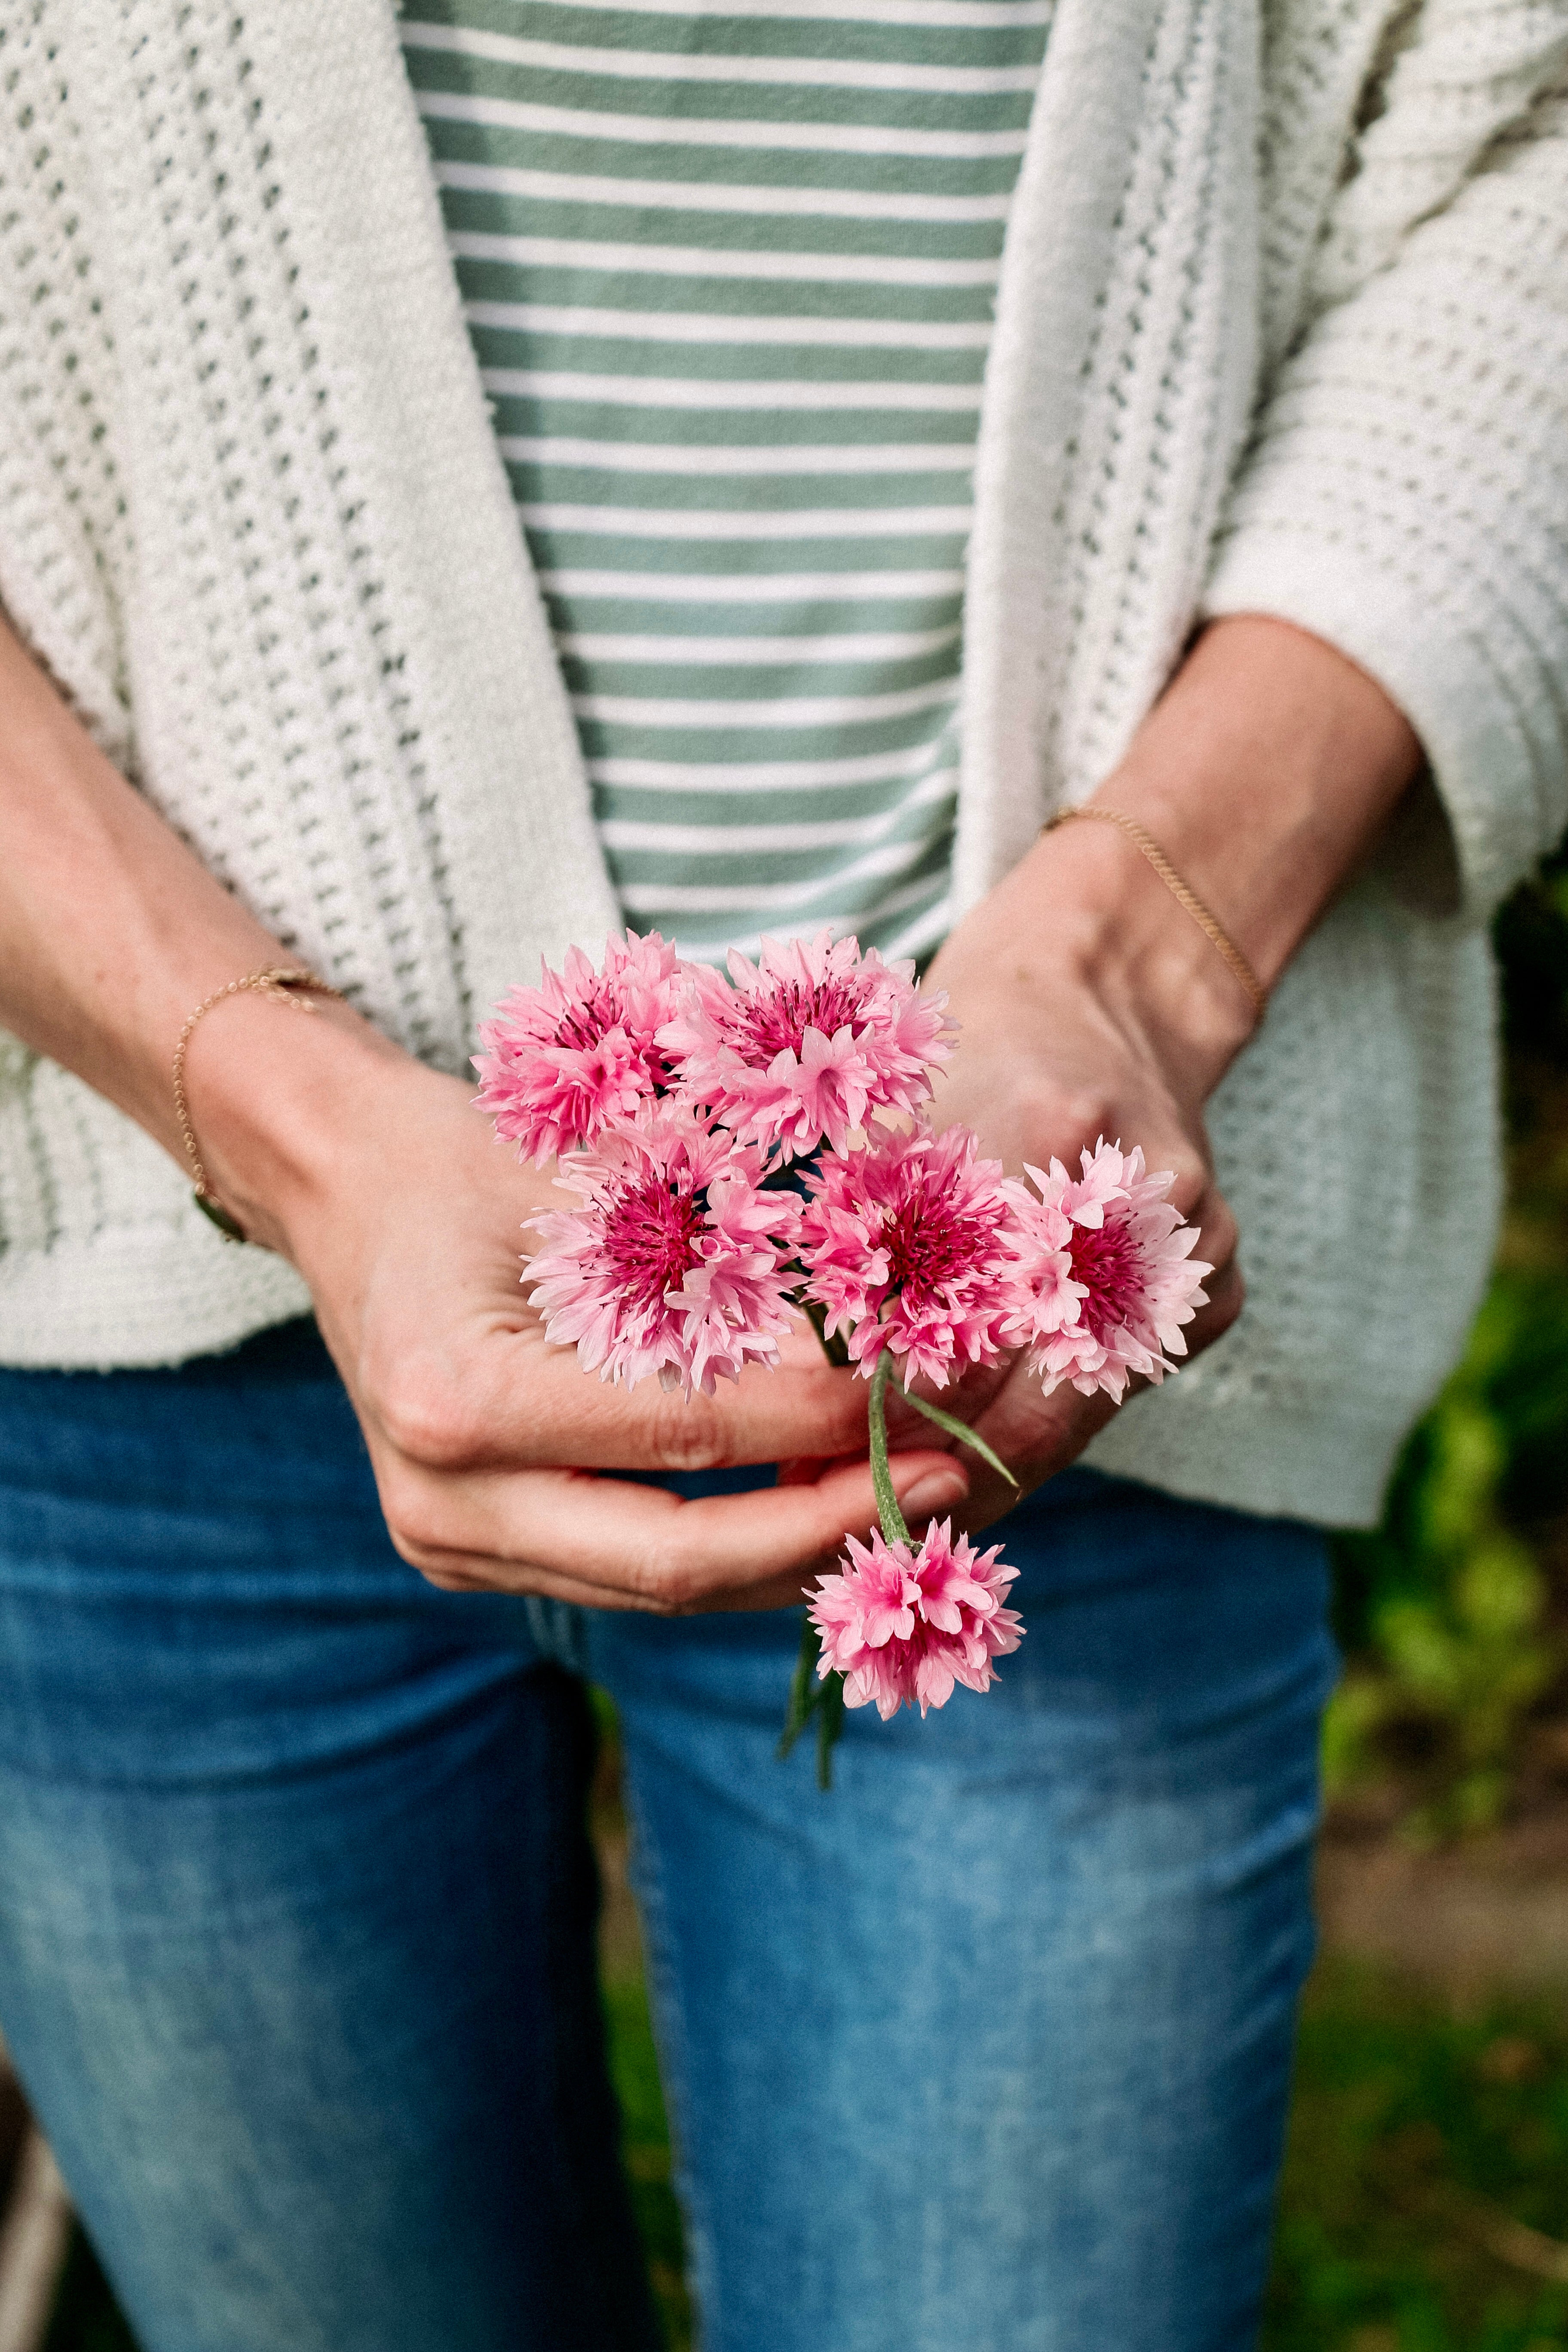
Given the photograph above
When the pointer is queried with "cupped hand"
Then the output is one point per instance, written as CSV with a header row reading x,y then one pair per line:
x,y
1085,1012
490,1446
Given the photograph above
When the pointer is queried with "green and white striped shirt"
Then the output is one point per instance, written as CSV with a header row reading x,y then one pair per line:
x,y
730,276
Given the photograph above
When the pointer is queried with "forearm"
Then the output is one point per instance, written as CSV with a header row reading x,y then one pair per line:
x,y
110,929
110,932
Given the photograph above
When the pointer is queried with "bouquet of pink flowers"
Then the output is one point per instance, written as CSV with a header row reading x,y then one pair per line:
x,y
747,1149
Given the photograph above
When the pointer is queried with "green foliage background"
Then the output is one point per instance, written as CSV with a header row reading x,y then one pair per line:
x,y
1455,1614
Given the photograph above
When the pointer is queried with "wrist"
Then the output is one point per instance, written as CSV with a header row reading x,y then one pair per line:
x,y
1266,772
288,1108
1107,924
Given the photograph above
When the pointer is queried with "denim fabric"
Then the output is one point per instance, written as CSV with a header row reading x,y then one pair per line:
x,y
986,2051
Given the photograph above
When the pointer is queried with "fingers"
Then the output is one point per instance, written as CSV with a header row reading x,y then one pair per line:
x,y
610,1544
1036,1434
515,1400
1228,1295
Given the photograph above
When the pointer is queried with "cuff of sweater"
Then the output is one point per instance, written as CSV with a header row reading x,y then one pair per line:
x,y
1482,817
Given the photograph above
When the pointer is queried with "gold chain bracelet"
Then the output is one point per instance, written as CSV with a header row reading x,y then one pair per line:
x,y
278,980
1188,900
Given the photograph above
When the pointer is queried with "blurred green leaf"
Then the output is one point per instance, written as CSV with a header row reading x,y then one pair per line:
x,y
1447,1610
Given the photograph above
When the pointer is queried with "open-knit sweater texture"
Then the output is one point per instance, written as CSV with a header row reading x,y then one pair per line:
x,y
1282,327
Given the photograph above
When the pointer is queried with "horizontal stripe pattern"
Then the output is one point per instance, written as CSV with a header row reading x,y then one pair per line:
x,y
730,279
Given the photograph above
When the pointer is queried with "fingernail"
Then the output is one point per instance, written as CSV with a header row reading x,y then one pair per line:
x,y
936,1491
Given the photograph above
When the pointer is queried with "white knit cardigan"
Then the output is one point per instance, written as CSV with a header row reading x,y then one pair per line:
x,y
1282,327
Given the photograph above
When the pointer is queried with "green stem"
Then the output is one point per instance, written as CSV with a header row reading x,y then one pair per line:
x,y
804,1690
810,1696
829,1724
835,1347
894,1529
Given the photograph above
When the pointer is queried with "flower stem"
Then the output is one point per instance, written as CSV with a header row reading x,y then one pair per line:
x,y
805,1691
823,1695
829,1724
894,1529
810,1696
835,1347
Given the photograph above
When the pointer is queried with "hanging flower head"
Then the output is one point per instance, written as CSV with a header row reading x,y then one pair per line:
x,y
675,1264
902,1625
806,1043
908,1244
563,1060
1109,1273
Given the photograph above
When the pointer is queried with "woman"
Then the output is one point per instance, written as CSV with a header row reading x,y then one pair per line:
x,y
990,2047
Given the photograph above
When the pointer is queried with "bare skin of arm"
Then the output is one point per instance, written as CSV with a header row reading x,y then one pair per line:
x,y
1266,771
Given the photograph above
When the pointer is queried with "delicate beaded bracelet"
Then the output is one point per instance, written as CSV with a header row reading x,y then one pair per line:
x,y
274,980
1209,924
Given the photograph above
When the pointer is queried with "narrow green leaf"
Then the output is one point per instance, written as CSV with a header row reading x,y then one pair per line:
x,y
959,1429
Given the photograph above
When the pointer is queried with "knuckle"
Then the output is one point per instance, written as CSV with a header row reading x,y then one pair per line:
x,y
1192,1188
425,1419
410,1520
1087,1113
408,1543
403,1545
666,1584
1062,1120
689,1433
446,1578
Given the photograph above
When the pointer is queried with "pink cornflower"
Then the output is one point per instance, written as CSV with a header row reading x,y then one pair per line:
x,y
1109,1273
675,1264
908,1244
807,1041
902,1625
563,1060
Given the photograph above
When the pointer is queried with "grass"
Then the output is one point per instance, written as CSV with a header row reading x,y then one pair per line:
x,y
1423,2138
1425,2186
1425,2201
645,2140
87,2318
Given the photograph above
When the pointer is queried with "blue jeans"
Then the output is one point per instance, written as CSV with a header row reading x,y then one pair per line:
x,y
987,2051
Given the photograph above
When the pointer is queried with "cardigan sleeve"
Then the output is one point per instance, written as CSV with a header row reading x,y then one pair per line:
x,y
1405,493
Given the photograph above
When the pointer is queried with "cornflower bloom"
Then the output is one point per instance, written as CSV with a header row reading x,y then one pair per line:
x,y
907,1244
801,1047
676,1262
1109,1273
902,1624
563,1060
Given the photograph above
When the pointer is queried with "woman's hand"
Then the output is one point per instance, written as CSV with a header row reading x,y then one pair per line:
x,y
406,1217
1093,1005
1102,1019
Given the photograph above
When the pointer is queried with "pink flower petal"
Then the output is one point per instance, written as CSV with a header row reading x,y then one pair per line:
x,y
676,1264
1108,1271
801,1047
904,1625
562,1060
908,1243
